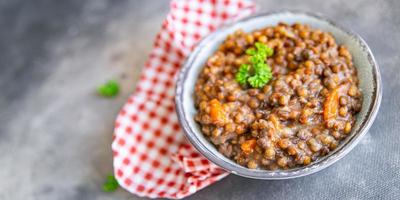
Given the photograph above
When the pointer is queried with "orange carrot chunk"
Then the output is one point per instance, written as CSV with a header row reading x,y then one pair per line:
x,y
277,124
248,146
331,105
216,112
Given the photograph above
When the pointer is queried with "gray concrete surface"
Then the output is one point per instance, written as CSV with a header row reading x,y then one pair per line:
x,y
55,133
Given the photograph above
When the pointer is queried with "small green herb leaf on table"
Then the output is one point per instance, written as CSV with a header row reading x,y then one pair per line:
x,y
111,184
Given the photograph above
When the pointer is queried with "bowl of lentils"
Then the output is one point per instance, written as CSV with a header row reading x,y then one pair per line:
x,y
278,95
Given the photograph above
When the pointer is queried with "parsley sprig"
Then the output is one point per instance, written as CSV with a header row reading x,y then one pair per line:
x,y
111,184
109,89
258,73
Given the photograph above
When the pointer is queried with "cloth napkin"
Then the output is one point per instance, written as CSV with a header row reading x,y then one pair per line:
x,y
151,156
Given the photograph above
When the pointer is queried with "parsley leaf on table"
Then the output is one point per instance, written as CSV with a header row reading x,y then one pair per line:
x,y
109,89
111,184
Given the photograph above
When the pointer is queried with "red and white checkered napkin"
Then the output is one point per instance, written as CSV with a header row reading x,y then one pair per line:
x,y
151,156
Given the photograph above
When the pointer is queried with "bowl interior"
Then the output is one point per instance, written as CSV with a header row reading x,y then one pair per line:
x,y
362,58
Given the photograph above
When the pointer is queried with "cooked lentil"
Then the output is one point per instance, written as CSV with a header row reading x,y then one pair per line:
x,y
303,113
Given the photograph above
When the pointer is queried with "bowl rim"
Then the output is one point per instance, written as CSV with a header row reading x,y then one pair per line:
x,y
318,165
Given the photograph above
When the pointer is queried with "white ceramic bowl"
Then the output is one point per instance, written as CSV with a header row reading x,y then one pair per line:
x,y
368,72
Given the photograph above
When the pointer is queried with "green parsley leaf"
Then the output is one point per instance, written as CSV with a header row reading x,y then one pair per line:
x,y
259,72
243,74
256,81
111,184
260,46
109,89
250,52
269,51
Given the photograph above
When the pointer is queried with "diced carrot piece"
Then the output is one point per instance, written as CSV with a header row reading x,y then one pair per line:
x,y
277,124
248,146
331,105
217,112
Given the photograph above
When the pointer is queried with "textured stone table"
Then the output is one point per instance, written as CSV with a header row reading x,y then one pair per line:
x,y
55,133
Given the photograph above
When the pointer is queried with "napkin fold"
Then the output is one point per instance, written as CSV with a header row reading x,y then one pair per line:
x,y
151,156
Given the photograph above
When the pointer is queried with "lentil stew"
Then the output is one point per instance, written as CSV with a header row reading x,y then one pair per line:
x,y
301,114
